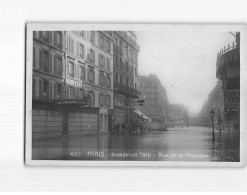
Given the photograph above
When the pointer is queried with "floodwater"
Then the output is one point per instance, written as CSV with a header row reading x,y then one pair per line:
x,y
176,144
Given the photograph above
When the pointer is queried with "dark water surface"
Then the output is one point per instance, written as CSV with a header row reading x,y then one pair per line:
x,y
176,144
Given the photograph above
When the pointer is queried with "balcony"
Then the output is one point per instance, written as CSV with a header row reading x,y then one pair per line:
x,y
120,88
227,56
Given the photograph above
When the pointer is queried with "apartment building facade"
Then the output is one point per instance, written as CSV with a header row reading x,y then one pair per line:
x,y
125,65
89,71
48,65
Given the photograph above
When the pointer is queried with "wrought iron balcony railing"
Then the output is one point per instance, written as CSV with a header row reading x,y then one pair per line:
x,y
120,88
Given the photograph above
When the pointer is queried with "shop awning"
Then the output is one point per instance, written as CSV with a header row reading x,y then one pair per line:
x,y
140,114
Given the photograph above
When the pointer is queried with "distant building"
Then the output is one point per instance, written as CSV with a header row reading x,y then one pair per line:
x,y
125,64
178,114
228,71
154,96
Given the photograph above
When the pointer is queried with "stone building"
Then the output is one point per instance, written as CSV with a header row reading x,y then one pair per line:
x,y
178,115
125,63
48,65
155,98
72,85
228,71
89,70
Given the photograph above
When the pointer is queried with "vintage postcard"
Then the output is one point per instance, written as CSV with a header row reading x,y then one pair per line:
x,y
135,95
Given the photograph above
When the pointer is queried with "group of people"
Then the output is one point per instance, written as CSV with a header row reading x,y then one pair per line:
x,y
135,127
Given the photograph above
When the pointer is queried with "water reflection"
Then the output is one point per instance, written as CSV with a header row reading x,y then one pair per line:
x,y
177,144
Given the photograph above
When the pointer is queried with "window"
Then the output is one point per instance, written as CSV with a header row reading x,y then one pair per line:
x,y
45,89
92,56
121,64
101,61
101,78
132,71
116,41
127,67
44,36
101,42
82,33
92,37
59,91
127,82
135,72
82,93
81,51
70,45
116,78
91,77
82,73
46,61
71,69
58,39
108,102
108,46
92,95
136,58
108,65
58,67
108,81
121,79
71,92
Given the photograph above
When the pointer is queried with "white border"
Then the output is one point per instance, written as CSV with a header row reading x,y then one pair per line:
x,y
136,27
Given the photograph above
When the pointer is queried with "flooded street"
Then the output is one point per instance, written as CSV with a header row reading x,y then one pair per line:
x,y
176,144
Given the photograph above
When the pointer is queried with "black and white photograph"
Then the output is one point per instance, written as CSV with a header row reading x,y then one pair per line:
x,y
133,94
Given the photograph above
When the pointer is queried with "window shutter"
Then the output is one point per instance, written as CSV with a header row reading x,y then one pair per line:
x,y
40,59
50,63
40,89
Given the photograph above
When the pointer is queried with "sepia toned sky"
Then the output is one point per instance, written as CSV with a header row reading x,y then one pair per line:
x,y
185,62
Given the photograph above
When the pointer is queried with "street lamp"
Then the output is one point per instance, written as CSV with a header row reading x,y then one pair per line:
x,y
212,116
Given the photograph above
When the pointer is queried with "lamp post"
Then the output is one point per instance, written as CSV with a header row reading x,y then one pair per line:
x,y
212,116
